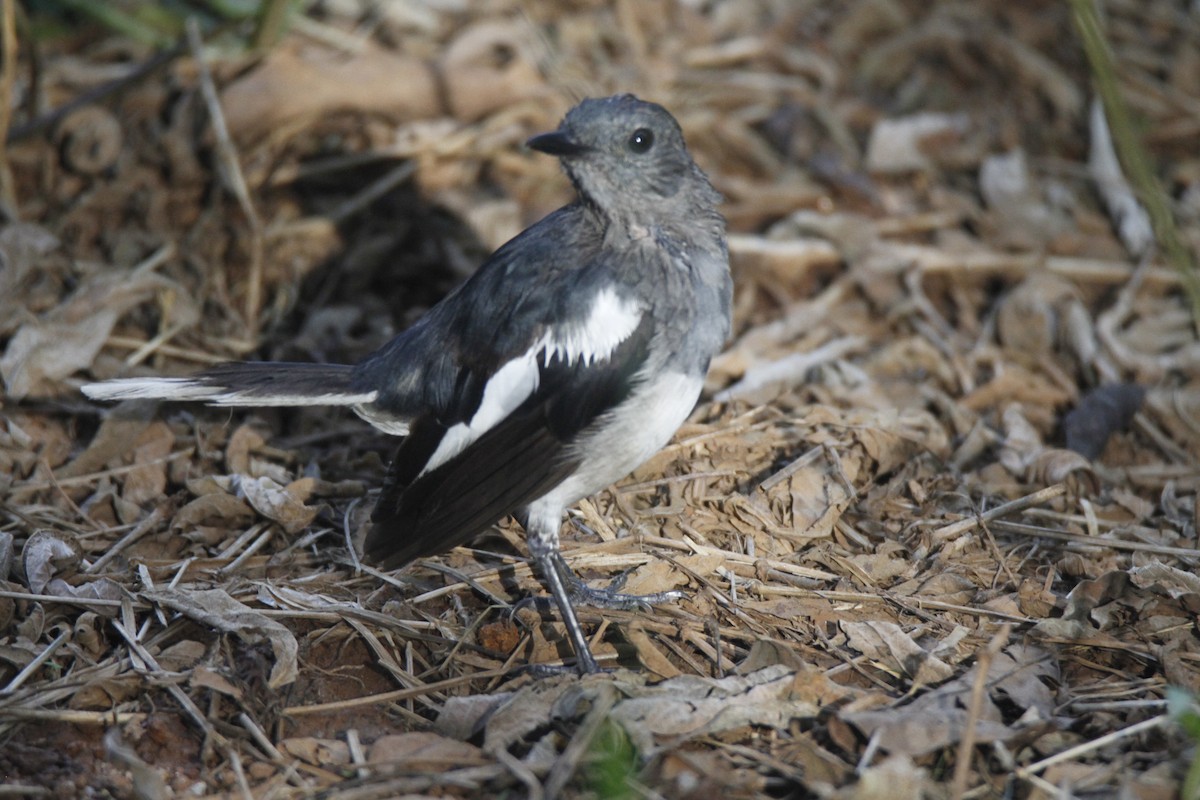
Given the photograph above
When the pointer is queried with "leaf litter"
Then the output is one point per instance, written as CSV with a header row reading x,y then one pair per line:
x,y
935,519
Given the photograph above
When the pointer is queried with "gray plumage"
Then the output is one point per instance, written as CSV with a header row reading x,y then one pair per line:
x,y
566,360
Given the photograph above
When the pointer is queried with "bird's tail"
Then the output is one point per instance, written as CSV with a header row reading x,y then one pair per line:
x,y
254,383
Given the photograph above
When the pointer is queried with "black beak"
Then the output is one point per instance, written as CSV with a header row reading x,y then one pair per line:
x,y
557,144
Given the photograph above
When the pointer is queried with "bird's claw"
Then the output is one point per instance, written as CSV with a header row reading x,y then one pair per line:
x,y
611,597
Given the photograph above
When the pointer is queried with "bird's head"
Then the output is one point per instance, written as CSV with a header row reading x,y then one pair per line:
x,y
627,157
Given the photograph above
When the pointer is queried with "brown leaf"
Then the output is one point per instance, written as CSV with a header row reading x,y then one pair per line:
x,y
1034,600
490,65
894,778
106,692
213,510
287,86
205,678
688,706
424,751
68,338
216,608
662,576
283,504
237,449
46,555
182,655
463,716
937,718
649,655
887,643
318,752
148,480
120,426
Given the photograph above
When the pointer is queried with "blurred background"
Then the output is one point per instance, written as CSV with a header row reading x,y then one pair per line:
x,y
944,480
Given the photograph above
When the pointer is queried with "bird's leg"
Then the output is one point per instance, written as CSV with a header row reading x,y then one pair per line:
x,y
567,589
610,597
545,552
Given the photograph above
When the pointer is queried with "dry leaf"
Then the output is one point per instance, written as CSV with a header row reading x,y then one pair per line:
x,y
900,144
690,706
894,778
936,719
205,678
216,608
490,65
287,85
237,449
888,644
649,655
283,504
318,752
148,480
463,716
181,656
107,692
222,511
48,556
421,751
67,338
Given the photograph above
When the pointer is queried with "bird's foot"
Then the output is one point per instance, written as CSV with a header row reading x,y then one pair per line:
x,y
611,596
608,597
541,671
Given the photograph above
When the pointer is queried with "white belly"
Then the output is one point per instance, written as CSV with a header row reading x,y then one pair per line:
x,y
624,438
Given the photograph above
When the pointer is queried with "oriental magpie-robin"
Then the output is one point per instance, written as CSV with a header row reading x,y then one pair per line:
x,y
569,358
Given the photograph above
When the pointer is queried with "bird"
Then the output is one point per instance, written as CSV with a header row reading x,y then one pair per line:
x,y
566,360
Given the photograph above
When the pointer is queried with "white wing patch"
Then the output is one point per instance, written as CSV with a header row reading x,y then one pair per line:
x,y
508,388
610,322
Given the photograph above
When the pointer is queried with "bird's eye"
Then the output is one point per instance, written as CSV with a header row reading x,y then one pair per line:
x,y
641,140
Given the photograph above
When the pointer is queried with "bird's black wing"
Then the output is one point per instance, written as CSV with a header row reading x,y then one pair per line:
x,y
424,512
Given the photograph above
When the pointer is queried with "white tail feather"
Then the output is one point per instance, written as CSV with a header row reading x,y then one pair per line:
x,y
189,389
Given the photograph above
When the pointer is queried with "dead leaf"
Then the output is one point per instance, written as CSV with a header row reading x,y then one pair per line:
x,y
31,263
936,719
216,608
213,510
690,706
237,450
67,338
283,504
1029,318
488,66
48,556
463,716
288,85
147,482
1034,600
318,752
1165,579
888,644
205,678
662,576
424,751
894,778
182,655
649,655
106,692
901,144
